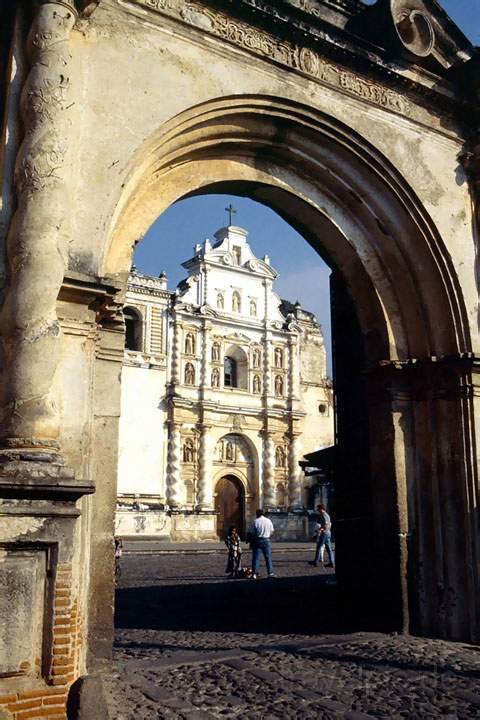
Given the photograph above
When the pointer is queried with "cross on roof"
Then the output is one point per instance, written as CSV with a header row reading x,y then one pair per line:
x,y
231,211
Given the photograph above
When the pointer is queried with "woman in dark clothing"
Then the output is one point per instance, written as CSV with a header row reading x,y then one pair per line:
x,y
233,543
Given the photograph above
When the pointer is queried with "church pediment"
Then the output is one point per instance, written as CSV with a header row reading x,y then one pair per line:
x,y
238,337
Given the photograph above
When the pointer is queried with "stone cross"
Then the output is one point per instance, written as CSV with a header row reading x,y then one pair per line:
x,y
231,211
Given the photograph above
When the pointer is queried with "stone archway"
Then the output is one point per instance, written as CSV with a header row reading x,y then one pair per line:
x,y
316,150
346,199
230,505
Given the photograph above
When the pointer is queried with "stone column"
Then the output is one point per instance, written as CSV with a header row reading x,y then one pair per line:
x,y
205,364
268,470
295,473
175,362
173,464
204,490
37,240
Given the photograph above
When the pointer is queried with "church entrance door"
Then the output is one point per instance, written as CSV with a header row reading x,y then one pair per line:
x,y
229,504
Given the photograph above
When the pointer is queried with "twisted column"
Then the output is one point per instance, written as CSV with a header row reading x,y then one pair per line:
x,y
204,489
37,239
268,470
175,366
173,464
295,472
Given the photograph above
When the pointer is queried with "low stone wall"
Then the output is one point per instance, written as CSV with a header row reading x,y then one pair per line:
x,y
291,527
166,525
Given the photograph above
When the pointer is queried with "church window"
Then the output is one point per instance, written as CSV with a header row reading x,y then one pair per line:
x,y
279,457
278,358
215,378
278,385
190,344
220,301
256,358
133,329
237,255
257,385
253,307
230,372
236,301
188,451
189,374
216,352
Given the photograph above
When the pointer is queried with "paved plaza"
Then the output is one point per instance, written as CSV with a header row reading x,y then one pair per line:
x,y
192,644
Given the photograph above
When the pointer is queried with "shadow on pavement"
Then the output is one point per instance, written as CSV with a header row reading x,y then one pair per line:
x,y
301,605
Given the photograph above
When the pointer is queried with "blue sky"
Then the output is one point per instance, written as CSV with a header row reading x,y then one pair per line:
x,y
302,274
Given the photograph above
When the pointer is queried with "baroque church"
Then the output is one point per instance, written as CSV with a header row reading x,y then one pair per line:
x,y
224,390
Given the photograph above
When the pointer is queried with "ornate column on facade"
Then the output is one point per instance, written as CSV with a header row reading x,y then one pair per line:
x,y
205,364
173,463
268,470
266,384
175,354
295,473
37,241
204,488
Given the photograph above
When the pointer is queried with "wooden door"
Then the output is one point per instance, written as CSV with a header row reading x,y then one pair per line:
x,y
229,505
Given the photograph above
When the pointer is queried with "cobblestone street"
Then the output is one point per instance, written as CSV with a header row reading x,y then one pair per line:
x,y
192,644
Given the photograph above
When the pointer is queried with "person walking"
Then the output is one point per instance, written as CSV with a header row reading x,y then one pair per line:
x,y
323,532
234,547
259,534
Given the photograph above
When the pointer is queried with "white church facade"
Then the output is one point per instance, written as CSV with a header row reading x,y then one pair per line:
x,y
224,389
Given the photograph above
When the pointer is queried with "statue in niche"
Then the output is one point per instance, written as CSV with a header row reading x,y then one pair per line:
x,y
220,301
257,386
253,308
278,386
230,451
278,358
188,451
236,303
189,374
189,344
216,352
215,378
279,457
256,358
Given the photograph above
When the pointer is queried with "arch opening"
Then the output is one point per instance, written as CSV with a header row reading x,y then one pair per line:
x,y
392,278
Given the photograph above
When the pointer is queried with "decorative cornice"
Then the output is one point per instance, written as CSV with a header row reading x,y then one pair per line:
x,y
261,28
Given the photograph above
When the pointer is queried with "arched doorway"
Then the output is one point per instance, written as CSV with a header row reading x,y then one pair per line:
x,y
230,505
393,270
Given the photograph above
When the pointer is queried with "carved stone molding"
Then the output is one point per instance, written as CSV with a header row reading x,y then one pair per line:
x,y
301,58
38,234
312,58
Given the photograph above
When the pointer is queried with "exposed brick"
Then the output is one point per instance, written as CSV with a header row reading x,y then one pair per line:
x,y
40,712
61,649
40,692
63,669
62,602
25,705
59,680
62,660
55,700
4,699
61,638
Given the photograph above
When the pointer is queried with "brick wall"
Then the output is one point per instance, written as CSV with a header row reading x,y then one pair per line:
x,y
49,699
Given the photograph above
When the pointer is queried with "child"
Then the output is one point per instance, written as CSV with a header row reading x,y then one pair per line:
x,y
233,543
